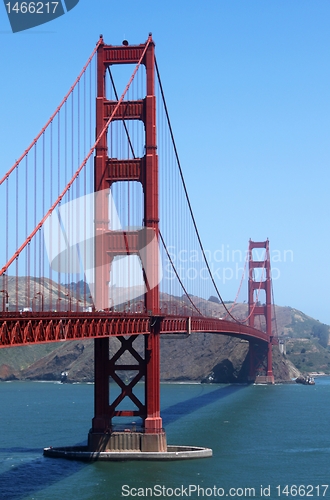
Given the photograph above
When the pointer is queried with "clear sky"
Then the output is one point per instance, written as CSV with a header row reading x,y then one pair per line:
x,y
247,84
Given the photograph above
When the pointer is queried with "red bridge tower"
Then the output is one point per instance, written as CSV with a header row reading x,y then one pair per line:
x,y
256,351
103,435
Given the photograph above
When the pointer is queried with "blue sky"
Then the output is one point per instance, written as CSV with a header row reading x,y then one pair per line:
x,y
247,87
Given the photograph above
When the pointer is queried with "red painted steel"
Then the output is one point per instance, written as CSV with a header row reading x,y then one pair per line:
x,y
257,310
110,244
44,327
130,110
100,422
120,170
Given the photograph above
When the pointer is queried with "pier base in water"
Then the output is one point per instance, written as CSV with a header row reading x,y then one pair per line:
x,y
127,441
82,453
128,444
264,379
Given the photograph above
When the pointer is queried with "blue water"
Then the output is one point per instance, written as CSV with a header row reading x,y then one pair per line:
x,y
264,438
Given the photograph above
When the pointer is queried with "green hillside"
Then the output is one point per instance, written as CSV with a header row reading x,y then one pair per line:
x,y
21,357
308,355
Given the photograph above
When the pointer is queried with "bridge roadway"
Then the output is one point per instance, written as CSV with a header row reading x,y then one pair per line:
x,y
43,327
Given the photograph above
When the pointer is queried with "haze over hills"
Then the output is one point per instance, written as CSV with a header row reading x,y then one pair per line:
x,y
200,356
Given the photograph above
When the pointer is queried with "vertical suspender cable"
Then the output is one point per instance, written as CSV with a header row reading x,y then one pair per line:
x,y
27,254
16,291
77,225
5,280
66,162
85,193
70,225
51,199
35,219
42,246
58,190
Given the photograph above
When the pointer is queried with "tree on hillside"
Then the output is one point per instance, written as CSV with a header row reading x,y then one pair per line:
x,y
214,299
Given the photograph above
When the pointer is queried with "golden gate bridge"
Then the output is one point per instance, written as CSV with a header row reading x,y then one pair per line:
x,y
99,199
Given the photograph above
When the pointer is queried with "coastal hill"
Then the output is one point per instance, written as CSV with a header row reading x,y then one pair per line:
x,y
198,357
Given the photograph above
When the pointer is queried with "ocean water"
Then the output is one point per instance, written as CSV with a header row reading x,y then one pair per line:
x,y
268,442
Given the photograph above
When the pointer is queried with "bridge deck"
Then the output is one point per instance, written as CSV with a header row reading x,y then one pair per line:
x,y
37,328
